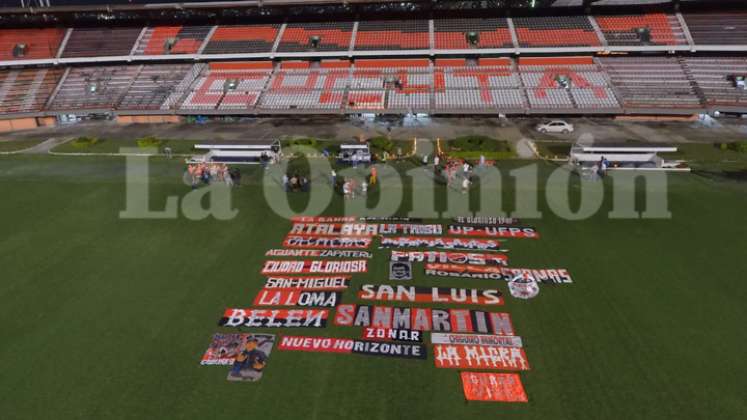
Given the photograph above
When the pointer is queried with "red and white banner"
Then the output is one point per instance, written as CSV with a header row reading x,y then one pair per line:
x,y
493,231
347,345
477,339
316,344
479,357
424,319
326,242
334,229
410,294
542,275
356,229
489,386
315,267
445,257
275,318
308,283
485,220
388,334
319,253
323,219
292,297
442,243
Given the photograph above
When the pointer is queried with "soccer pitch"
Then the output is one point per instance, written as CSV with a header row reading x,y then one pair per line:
x,y
108,318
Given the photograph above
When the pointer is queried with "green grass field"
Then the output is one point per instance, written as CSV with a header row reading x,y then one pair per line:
x,y
104,318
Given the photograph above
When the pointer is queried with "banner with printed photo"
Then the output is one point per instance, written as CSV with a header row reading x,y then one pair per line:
x,y
442,243
445,257
292,297
485,220
347,345
447,295
326,242
400,270
274,318
250,362
320,253
388,334
479,357
314,267
477,339
493,231
489,386
308,283
424,319
543,275
224,348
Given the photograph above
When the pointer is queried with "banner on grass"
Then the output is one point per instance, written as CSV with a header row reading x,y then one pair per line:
x,y
489,386
286,297
326,242
388,334
479,357
224,348
308,283
349,219
400,270
364,229
543,275
442,243
494,231
321,253
411,294
250,362
347,345
477,339
424,319
274,318
314,267
323,219
485,220
445,257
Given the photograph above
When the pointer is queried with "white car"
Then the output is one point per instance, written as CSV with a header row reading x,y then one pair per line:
x,y
557,126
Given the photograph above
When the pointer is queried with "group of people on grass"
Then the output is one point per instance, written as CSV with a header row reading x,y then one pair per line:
x,y
295,183
351,187
208,173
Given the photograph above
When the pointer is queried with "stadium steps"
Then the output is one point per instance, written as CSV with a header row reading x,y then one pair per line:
x,y
691,78
33,90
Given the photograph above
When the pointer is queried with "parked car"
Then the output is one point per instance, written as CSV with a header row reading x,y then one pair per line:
x,y
556,126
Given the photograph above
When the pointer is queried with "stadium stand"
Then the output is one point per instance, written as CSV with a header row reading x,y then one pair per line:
x,y
405,85
26,90
228,86
718,28
153,85
98,42
456,33
93,88
164,40
645,29
304,85
29,44
651,82
392,35
492,83
325,36
572,82
717,79
554,31
238,39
